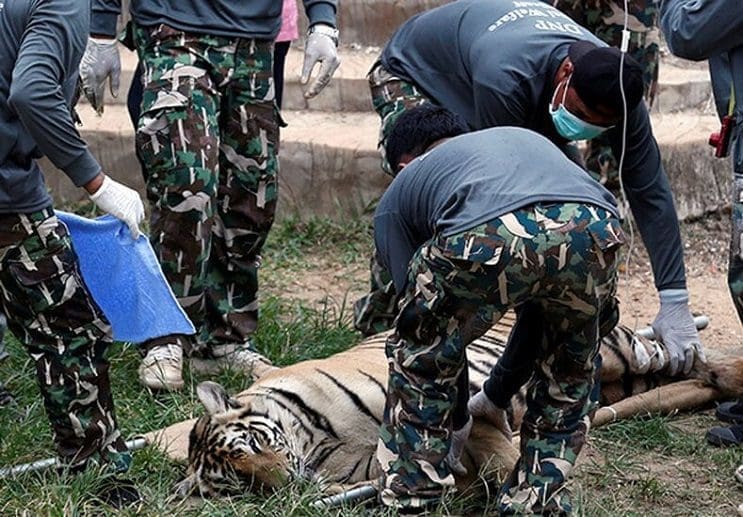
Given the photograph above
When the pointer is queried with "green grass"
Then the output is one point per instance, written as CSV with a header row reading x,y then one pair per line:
x,y
640,467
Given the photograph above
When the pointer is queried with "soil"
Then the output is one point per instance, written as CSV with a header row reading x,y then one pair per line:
x,y
326,280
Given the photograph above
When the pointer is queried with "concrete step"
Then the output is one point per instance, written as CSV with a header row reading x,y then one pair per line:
x,y
682,85
330,164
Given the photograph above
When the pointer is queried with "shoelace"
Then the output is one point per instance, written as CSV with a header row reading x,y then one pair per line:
x,y
166,352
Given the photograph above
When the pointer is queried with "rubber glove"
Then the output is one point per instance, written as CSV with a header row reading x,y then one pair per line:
x,y
320,48
458,440
674,327
121,202
100,62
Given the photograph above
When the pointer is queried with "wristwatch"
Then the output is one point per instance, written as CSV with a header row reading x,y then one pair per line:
x,y
327,30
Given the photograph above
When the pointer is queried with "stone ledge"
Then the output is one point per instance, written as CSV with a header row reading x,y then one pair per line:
x,y
330,165
682,85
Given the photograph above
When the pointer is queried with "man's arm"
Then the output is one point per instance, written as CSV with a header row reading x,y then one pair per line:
x,y
103,17
321,44
698,29
651,201
394,247
47,57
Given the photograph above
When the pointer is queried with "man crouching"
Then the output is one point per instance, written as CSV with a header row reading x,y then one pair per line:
x,y
473,225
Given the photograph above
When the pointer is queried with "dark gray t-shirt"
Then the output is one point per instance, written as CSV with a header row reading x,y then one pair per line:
x,y
469,180
494,61
260,19
41,43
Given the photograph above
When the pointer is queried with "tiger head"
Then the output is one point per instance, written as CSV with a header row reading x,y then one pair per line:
x,y
231,450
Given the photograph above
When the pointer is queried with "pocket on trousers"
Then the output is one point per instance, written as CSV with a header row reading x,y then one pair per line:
x,y
33,273
607,234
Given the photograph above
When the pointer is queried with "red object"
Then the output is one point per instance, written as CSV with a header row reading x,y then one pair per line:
x,y
720,140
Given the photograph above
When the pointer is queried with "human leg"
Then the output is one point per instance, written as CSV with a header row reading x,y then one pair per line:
x,y
391,96
178,140
52,313
281,48
562,393
246,205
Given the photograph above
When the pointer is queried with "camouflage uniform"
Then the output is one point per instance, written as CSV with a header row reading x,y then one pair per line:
x,y
391,96
605,19
52,313
558,255
208,137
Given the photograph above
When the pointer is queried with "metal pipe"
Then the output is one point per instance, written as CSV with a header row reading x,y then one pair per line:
x,y
6,472
647,332
355,495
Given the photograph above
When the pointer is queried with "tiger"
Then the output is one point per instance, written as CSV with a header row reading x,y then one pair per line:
x,y
318,420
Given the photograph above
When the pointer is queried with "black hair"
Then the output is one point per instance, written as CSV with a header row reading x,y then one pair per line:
x,y
417,128
596,77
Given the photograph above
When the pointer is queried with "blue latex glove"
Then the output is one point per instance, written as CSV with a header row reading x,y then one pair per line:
x,y
674,327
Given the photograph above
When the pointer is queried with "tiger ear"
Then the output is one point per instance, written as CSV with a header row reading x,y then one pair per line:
x,y
214,397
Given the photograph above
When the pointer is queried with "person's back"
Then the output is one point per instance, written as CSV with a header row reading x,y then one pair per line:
x,y
490,62
473,178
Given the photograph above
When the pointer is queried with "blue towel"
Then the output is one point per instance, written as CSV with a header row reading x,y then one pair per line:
x,y
125,279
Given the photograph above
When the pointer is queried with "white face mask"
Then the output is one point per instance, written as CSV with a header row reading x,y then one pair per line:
x,y
568,125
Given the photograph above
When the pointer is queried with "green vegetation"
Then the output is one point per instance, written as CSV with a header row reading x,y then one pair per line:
x,y
651,466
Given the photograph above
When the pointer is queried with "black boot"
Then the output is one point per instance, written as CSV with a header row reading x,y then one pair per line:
x,y
731,412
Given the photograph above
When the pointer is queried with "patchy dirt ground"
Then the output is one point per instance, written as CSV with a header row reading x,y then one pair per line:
x,y
326,279
661,466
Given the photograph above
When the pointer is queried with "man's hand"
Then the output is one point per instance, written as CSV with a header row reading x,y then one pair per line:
x,y
480,405
674,327
100,62
320,48
458,439
118,200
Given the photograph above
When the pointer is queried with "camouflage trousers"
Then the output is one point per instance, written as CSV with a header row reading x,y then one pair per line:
x,y
391,96
51,312
208,137
604,18
735,269
561,256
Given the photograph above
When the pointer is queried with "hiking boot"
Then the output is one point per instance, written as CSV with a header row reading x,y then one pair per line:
x,y
233,357
119,493
731,412
726,436
161,368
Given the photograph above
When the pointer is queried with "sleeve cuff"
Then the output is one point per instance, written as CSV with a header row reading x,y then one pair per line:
x,y
673,296
82,169
321,13
103,23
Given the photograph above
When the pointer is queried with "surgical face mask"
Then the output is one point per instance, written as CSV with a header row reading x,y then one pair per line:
x,y
568,125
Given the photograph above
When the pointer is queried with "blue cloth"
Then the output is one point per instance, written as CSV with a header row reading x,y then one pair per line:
x,y
125,279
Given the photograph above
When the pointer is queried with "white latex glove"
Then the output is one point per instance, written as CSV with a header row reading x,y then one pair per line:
x,y
121,202
320,48
674,327
100,62
458,440
480,405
